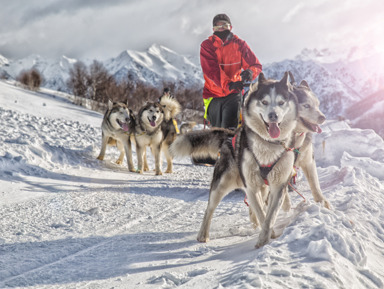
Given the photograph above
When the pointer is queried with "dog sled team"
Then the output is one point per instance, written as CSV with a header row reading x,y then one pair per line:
x,y
274,135
279,118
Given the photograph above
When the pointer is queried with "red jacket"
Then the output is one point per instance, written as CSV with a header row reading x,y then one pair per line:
x,y
222,62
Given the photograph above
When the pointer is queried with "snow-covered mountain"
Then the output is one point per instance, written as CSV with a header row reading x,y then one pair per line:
x,y
340,78
155,66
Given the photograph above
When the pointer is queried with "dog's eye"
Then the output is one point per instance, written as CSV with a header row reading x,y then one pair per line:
x,y
281,103
307,106
264,102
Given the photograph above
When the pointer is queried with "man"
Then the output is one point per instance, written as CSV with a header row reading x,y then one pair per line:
x,y
226,60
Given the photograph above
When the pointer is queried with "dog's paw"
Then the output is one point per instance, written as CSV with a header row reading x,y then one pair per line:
x,y
101,158
169,171
159,173
119,162
253,219
202,239
324,202
263,239
286,204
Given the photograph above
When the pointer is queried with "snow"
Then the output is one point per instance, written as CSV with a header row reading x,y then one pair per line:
x,y
71,221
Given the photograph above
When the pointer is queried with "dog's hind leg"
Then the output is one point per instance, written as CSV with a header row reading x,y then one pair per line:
x,y
104,141
165,149
224,181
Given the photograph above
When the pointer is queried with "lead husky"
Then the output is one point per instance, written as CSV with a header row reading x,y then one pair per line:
x,y
262,153
155,128
117,126
310,117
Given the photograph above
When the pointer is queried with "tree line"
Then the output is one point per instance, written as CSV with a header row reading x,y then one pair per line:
x,y
95,85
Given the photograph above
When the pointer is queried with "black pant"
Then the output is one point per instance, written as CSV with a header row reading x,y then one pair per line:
x,y
223,111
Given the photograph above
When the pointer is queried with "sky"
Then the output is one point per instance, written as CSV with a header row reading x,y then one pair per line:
x,y
92,29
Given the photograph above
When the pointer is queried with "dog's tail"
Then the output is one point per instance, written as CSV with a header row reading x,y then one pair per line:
x,y
200,143
171,107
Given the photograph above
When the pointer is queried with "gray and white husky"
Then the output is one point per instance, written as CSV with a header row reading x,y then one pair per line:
x,y
155,128
262,153
117,126
309,120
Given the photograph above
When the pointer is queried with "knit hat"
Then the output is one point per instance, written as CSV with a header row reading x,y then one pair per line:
x,y
221,17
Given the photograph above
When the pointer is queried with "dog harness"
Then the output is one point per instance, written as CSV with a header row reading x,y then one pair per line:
x,y
265,169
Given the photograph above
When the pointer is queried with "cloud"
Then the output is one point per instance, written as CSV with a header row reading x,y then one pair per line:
x,y
274,29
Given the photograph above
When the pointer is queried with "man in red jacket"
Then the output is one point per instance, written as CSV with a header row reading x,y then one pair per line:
x,y
226,60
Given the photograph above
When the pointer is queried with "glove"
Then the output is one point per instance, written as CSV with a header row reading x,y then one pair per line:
x,y
246,75
237,85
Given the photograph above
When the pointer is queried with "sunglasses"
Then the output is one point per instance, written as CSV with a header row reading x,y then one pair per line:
x,y
224,26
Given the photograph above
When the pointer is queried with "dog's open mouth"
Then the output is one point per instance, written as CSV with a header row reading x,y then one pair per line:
x,y
124,126
273,129
152,122
311,126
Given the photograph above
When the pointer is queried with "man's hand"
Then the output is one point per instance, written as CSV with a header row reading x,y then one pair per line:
x,y
246,75
237,85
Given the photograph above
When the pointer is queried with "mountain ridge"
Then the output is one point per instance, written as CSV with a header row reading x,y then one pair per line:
x,y
339,79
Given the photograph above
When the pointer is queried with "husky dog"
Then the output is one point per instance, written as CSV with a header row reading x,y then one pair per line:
x,y
310,117
155,128
262,153
117,126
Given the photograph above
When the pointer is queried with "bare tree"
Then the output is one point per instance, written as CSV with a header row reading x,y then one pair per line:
x,y
99,80
78,81
31,79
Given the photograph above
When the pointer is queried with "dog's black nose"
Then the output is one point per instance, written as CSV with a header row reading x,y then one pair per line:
x,y
272,116
153,118
321,119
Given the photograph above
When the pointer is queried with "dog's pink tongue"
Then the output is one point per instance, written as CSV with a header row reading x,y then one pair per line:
x,y
152,123
318,129
273,130
125,127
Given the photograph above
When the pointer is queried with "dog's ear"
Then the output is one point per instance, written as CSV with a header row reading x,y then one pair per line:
x,y
262,78
110,104
305,84
293,81
285,81
253,87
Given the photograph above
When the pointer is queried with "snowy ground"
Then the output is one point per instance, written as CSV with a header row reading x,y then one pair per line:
x,y
71,221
